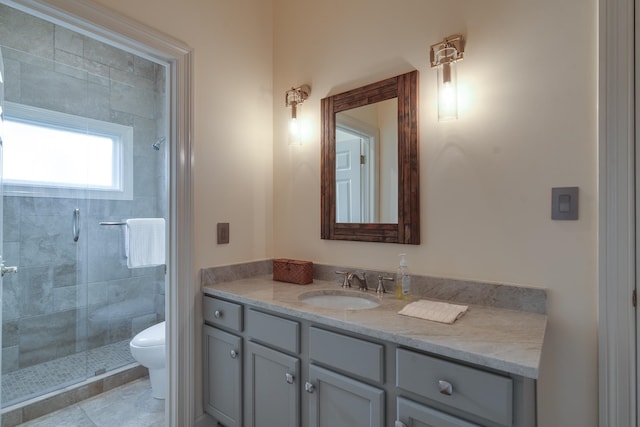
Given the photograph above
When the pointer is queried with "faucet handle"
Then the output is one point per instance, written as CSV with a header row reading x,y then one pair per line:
x,y
346,280
363,282
380,289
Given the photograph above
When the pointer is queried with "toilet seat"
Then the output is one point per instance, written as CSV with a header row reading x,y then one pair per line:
x,y
151,337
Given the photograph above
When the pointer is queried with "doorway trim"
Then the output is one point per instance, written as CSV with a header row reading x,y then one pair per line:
x,y
95,20
617,214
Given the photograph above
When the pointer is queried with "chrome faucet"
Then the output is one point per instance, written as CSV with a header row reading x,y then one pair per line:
x,y
380,289
346,282
362,281
349,277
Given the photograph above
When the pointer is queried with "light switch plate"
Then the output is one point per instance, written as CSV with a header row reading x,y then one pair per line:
x,y
223,233
564,203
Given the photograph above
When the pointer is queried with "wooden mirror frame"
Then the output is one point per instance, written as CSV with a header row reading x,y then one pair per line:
x,y
407,230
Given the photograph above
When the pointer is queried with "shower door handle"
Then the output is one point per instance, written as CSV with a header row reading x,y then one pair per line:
x,y
4,270
75,228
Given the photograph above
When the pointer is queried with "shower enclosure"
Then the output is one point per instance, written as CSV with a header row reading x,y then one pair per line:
x,y
72,307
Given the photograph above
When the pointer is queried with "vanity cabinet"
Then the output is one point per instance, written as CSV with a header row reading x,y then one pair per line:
x,y
461,388
336,396
222,361
264,368
223,376
272,371
273,392
337,400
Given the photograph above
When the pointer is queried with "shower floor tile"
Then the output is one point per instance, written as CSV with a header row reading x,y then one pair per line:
x,y
128,405
36,380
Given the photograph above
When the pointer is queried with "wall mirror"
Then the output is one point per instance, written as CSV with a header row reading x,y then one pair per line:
x,y
369,163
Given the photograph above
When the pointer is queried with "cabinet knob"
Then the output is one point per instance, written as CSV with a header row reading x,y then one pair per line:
x,y
308,387
445,387
217,314
289,378
234,354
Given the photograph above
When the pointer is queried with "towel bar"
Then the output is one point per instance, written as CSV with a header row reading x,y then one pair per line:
x,y
113,223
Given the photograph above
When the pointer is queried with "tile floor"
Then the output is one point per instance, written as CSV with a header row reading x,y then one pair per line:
x,y
130,405
25,383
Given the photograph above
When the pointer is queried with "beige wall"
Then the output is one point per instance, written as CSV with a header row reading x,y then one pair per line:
x,y
529,125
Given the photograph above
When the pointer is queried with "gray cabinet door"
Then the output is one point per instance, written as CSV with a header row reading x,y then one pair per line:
x,y
272,389
222,376
412,414
339,401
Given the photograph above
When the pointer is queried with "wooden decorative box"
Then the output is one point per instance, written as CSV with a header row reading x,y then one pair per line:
x,y
293,271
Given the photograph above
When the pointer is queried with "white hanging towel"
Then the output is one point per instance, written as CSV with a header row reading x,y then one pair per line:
x,y
145,242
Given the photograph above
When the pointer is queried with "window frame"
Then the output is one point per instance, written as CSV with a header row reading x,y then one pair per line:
x,y
123,154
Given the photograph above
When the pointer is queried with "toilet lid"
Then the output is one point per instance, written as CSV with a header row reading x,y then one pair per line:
x,y
150,337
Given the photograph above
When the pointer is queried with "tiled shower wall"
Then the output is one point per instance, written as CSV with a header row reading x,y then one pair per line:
x,y
71,296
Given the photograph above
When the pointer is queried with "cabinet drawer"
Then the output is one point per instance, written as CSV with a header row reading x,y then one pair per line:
x,y
350,355
414,414
474,391
274,331
222,313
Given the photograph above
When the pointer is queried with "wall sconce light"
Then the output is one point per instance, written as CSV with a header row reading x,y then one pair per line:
x,y
294,98
444,56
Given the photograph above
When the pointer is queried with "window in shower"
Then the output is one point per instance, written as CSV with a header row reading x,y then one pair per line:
x,y
47,153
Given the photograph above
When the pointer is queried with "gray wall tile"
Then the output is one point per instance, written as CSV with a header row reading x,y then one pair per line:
x,y
12,74
11,298
10,359
26,33
130,99
108,55
10,331
69,41
46,337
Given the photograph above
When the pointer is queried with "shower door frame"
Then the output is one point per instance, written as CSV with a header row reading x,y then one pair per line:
x,y
103,24
619,204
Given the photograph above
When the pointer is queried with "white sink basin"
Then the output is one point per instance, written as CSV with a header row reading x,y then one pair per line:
x,y
339,299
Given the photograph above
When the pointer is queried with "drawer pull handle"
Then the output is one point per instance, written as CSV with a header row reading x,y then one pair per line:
x,y
217,314
445,388
308,387
289,378
234,354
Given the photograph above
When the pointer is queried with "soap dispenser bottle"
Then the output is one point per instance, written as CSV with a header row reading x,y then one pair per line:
x,y
403,279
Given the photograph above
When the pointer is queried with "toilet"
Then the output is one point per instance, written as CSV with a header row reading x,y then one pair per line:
x,y
148,348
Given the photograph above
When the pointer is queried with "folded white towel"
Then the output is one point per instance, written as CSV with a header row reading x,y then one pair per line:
x,y
145,242
433,310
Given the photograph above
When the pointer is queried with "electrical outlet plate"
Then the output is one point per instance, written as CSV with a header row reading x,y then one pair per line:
x,y
223,233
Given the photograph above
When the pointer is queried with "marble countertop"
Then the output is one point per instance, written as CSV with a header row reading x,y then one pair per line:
x,y
506,340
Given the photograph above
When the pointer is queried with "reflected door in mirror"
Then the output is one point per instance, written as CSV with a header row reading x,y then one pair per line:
x,y
367,163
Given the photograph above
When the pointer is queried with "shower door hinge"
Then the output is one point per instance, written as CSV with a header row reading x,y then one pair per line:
x,y
363,159
634,298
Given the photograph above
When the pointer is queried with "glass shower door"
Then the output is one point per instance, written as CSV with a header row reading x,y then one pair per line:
x,y
72,309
